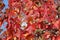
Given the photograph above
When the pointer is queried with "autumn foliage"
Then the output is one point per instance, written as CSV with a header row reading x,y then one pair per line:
x,y
30,20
